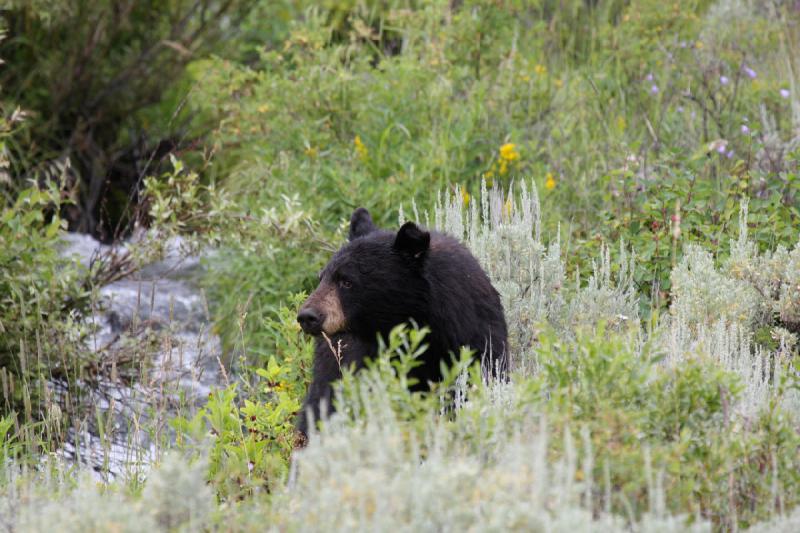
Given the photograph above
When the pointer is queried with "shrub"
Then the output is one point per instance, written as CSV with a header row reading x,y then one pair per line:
x,y
42,297
174,499
752,289
252,419
504,233
104,84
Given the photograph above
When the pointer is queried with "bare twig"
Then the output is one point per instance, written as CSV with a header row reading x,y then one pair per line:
x,y
337,352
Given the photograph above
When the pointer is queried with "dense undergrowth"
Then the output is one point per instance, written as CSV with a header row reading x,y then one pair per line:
x,y
627,174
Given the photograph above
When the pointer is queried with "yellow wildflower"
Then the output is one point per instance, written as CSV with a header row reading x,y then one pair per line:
x,y
559,83
263,108
508,152
550,182
311,152
503,167
540,70
361,149
698,45
465,196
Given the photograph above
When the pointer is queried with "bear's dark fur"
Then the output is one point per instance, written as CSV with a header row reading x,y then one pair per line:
x,y
380,279
331,356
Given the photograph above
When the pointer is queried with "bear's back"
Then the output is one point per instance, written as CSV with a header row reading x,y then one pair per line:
x,y
466,310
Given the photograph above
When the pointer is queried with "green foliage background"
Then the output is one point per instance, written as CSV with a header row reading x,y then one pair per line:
x,y
258,127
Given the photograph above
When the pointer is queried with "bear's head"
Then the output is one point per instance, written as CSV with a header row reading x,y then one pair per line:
x,y
373,283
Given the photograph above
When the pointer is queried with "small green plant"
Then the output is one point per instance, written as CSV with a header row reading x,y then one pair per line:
x,y
388,375
9,443
252,420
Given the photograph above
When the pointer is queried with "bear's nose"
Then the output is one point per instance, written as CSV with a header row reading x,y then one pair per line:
x,y
310,321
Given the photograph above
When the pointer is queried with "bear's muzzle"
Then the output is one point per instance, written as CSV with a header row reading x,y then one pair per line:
x,y
322,312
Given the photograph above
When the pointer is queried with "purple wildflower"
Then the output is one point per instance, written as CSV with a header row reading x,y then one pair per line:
x,y
724,80
730,154
649,77
654,89
750,73
784,93
745,129
722,147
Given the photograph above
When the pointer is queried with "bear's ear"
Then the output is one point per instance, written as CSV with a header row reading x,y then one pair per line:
x,y
360,224
412,240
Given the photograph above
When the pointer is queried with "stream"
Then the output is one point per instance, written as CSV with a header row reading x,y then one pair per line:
x,y
150,334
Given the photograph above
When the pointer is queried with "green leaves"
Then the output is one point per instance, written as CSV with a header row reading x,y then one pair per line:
x,y
38,291
252,422
9,443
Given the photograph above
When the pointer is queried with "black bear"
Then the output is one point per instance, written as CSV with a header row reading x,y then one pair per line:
x,y
380,279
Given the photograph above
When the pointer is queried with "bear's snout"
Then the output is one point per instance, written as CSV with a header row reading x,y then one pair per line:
x,y
310,320
322,312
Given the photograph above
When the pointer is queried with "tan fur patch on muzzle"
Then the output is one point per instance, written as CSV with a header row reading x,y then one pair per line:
x,y
334,315
325,300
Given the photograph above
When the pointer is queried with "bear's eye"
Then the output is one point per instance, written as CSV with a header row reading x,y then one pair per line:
x,y
345,283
